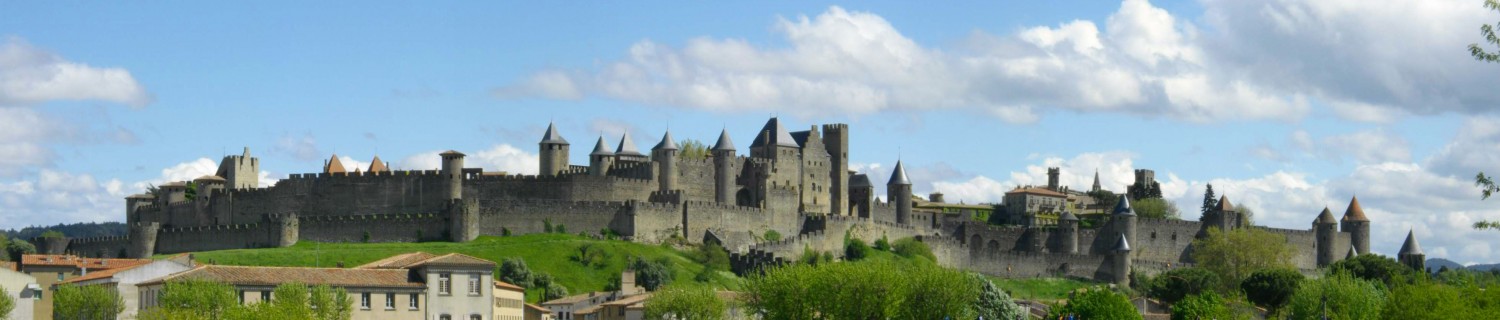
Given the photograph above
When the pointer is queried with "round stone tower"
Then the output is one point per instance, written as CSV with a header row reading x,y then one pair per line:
x,y
1358,227
1411,253
723,153
553,153
898,192
453,170
143,239
1325,228
1123,219
665,155
1120,264
1067,230
601,159
207,185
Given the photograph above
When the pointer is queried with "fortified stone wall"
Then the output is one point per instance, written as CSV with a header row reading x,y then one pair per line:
x,y
208,238
579,187
1010,264
738,226
532,216
655,222
1164,240
99,247
378,227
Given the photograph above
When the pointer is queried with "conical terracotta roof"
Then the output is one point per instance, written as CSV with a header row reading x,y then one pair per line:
x,y
334,165
1355,213
1224,204
378,166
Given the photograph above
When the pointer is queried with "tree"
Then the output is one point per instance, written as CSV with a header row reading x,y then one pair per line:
x,y
1209,202
86,303
513,270
1155,208
1486,184
1373,267
1176,284
652,274
1234,255
683,302
910,247
692,149
329,303
994,303
1207,305
1271,288
199,298
1340,296
7,304
855,250
1488,31
713,256
1097,303
18,247
1434,300
1137,191
862,290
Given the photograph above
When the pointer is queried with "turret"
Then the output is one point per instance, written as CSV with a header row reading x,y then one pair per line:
x,y
453,170
1411,253
1358,227
626,151
601,159
1053,175
376,165
172,192
1352,253
1067,230
863,194
1120,261
1324,228
134,202
334,167
1224,216
1123,218
665,155
143,239
241,171
553,154
207,185
723,153
836,140
898,192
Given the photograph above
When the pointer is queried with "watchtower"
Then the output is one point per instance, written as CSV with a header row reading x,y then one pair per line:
x,y
898,192
1324,228
665,155
724,183
453,167
836,139
553,153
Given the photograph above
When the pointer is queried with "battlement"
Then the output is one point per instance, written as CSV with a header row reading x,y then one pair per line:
x,y
219,227
720,206
652,205
367,218
1286,232
551,202
835,126
88,240
1167,222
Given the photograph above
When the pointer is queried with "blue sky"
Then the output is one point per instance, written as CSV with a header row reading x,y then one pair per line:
x,y
1288,106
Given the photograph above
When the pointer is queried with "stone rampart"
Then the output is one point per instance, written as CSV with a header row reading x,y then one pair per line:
x,y
374,228
99,247
532,216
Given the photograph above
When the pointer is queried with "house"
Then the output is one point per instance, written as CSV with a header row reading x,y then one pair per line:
x,y
51,269
510,301
586,306
123,280
407,286
627,308
536,312
22,289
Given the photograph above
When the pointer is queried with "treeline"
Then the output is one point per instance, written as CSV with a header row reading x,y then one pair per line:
x,y
72,230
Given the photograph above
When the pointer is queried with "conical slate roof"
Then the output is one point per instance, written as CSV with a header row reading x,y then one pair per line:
x,y
551,137
1224,204
1068,216
1411,246
1325,218
600,149
666,143
1096,181
627,146
1355,213
1122,208
1352,253
777,135
1123,245
898,176
724,144
334,165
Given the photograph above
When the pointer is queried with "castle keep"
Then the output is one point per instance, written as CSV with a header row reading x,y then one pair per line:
x,y
796,183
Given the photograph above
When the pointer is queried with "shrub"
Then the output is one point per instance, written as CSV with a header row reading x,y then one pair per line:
x,y
1097,303
1207,305
1373,267
772,235
883,244
86,302
590,255
554,291
1172,286
678,302
855,250
365,237
652,274
1271,288
862,290
514,271
910,247
1347,297
713,256
504,232
547,225
994,303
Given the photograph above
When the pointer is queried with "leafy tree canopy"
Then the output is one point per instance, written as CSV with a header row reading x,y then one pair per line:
x,y
1236,254
1098,303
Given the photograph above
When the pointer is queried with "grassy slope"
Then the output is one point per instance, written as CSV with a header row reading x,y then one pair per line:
x,y
550,253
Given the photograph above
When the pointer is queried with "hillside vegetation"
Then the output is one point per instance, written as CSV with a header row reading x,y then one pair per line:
x,y
556,254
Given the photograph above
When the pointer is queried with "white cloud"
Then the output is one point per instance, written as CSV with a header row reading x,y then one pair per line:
x,y
1371,146
304,148
501,157
30,75
1257,60
1476,148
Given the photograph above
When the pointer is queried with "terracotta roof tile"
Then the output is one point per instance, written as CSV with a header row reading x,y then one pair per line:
x,y
397,261
64,260
1355,213
271,276
508,286
334,165
456,259
378,166
1037,191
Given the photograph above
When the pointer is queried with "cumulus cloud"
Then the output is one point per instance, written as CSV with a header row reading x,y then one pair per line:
x,y
30,75
1258,60
304,147
501,157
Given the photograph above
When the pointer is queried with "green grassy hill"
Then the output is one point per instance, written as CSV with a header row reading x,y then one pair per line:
x,y
549,253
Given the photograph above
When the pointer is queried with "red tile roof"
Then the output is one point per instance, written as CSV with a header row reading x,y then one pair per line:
x,y
508,286
64,260
1037,191
271,276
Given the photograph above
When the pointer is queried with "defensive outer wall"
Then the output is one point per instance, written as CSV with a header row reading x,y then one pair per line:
x,y
795,183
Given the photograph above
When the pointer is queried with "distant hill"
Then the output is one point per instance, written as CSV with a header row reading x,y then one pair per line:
x,y
1435,264
73,230
1485,267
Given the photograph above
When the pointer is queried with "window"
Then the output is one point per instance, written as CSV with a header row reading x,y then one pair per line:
x,y
390,300
474,283
475,317
445,283
242,296
445,317
364,301
59,276
414,301
265,296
